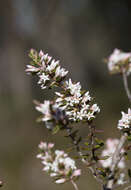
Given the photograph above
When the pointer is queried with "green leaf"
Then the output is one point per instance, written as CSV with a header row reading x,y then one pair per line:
x,y
86,143
56,129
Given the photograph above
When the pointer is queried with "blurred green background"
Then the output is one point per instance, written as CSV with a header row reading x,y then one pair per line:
x,y
81,33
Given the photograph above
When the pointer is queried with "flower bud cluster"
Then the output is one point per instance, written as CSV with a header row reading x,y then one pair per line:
x,y
125,121
48,70
57,163
111,146
119,61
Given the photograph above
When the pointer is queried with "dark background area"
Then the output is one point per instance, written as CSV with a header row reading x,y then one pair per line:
x,y
81,33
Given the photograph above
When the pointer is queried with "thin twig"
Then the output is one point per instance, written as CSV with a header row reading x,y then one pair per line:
x,y
74,141
74,185
126,85
115,161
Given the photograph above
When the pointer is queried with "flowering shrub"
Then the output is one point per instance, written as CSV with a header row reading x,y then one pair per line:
x,y
71,104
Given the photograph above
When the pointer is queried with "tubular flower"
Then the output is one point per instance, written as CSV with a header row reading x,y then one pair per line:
x,y
57,163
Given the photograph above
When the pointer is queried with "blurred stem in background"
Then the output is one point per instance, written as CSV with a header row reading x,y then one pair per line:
x,y
126,85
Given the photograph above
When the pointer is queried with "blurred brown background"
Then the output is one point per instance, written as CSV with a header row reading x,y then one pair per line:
x,y
81,33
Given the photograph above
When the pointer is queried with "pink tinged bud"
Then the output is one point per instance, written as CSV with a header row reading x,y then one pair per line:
x,y
76,173
53,174
62,180
41,53
50,145
31,68
39,156
42,145
49,59
46,168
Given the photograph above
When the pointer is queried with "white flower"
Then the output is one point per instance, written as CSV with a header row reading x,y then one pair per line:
x,y
45,57
111,145
75,89
42,145
118,59
90,115
57,163
86,97
95,108
60,72
125,121
43,78
45,110
52,66
71,100
45,146
69,163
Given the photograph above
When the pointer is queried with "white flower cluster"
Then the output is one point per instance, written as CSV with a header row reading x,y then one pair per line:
x,y
119,60
46,68
57,163
125,121
111,145
77,104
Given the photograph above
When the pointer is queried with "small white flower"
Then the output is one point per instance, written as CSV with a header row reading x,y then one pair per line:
x,y
42,146
45,110
52,66
60,72
57,163
75,89
43,78
118,59
86,97
125,121
90,115
95,108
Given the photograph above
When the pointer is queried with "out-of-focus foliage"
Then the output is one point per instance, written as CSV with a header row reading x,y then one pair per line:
x,y
79,33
